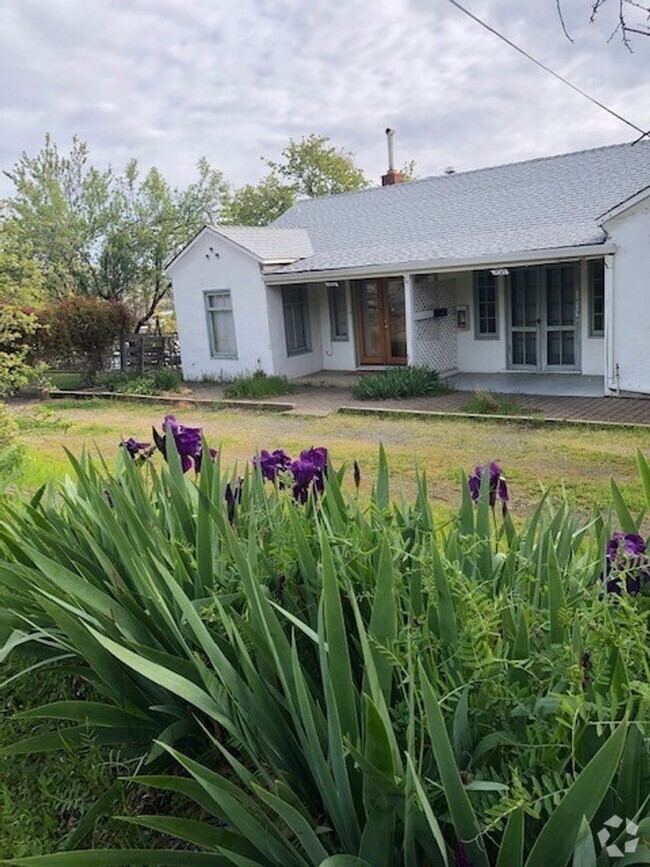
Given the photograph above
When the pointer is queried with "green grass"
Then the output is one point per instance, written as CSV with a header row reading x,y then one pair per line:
x,y
581,459
487,403
398,383
67,381
257,386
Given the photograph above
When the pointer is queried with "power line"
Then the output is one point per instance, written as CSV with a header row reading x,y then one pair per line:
x,y
543,66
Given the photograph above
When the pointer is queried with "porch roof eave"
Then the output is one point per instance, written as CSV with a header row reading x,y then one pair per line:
x,y
441,266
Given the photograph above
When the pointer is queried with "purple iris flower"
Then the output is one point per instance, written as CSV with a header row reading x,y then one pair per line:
x,y
308,471
272,463
498,487
626,558
461,858
133,447
318,458
233,494
304,473
198,457
187,439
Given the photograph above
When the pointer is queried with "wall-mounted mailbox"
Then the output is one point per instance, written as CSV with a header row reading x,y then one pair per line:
x,y
439,312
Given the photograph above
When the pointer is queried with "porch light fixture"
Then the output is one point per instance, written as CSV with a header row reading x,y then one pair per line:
x,y
500,272
331,284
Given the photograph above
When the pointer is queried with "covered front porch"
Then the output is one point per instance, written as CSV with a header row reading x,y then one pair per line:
x,y
538,328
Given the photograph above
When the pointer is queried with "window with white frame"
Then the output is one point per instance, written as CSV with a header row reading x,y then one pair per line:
x,y
295,304
485,303
596,298
221,324
338,306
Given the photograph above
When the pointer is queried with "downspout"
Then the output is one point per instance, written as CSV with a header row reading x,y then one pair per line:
x,y
611,366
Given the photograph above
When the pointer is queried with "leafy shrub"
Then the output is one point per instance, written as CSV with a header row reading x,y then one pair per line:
x,y
85,327
399,382
166,379
258,385
154,382
18,330
487,403
12,452
340,678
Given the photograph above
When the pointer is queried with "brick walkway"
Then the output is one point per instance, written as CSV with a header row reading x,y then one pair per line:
x,y
323,401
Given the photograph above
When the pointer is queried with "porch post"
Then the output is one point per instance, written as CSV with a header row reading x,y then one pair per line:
x,y
408,310
611,373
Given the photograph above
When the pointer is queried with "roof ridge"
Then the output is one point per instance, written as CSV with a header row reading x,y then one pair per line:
x,y
455,174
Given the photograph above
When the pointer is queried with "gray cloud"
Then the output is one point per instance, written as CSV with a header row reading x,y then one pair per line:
x,y
170,80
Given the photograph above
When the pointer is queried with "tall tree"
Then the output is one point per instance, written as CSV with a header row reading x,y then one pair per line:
x,y
21,280
107,234
315,167
259,204
307,168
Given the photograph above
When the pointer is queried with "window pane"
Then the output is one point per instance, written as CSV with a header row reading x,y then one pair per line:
x,y
223,329
597,296
296,319
486,303
554,351
221,324
338,304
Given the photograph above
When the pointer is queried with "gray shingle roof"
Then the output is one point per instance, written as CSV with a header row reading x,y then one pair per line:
x,y
270,243
535,205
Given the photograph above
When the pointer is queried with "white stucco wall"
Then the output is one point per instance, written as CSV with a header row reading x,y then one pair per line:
x,y
337,354
485,354
490,355
305,363
630,286
216,264
592,349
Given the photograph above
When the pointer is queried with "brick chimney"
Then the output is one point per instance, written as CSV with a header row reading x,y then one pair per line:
x,y
391,177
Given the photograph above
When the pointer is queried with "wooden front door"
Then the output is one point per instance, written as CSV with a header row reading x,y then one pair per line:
x,y
381,320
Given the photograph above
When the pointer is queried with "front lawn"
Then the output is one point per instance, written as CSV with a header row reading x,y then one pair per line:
x,y
581,459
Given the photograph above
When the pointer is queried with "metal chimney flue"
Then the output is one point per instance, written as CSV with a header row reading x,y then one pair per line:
x,y
390,135
391,177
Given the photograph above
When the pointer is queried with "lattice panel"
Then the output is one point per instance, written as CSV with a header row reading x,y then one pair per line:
x,y
435,339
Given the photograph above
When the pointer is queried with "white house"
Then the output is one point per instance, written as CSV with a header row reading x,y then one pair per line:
x,y
540,266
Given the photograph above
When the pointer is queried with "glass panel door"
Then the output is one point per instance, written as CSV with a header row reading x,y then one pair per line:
x,y
395,321
371,325
560,297
524,318
381,321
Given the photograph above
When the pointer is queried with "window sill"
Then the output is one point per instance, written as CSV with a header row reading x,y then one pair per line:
x,y
292,352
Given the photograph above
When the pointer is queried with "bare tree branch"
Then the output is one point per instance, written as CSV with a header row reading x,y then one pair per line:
x,y
558,6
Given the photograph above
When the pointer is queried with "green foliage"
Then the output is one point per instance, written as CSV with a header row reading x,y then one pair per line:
x,y
309,167
339,682
258,385
399,382
101,233
85,327
314,167
66,380
259,204
21,279
486,403
18,330
154,382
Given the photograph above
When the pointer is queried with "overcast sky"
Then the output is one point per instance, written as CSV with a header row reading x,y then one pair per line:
x,y
167,81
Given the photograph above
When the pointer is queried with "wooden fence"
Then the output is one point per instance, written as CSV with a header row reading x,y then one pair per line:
x,y
144,352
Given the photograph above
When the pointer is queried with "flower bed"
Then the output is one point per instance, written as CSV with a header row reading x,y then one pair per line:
x,y
340,677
